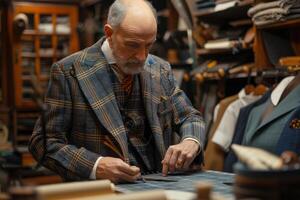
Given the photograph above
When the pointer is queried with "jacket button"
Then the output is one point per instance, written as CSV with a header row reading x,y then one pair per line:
x,y
72,72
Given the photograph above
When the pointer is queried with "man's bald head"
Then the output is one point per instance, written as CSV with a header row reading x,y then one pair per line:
x,y
130,9
131,31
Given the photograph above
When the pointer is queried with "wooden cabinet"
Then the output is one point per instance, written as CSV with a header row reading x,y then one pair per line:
x,y
48,35
233,14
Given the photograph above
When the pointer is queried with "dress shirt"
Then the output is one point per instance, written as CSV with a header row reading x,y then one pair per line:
x,y
277,92
224,133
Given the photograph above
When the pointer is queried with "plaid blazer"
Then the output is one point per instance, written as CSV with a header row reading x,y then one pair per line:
x,y
81,106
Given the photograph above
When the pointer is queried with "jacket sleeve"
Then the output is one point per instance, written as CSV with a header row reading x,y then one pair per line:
x,y
69,161
188,121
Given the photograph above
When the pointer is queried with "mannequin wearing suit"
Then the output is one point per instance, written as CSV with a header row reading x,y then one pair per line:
x,y
98,129
271,122
266,122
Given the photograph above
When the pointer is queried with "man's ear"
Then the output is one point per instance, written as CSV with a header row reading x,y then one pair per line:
x,y
108,31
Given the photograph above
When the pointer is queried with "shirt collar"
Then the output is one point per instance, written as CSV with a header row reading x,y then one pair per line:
x,y
246,99
111,60
277,92
108,53
242,94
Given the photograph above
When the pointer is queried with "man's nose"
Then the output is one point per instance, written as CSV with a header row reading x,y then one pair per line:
x,y
141,55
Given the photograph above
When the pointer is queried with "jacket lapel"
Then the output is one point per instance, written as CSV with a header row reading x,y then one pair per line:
x,y
150,82
92,73
288,104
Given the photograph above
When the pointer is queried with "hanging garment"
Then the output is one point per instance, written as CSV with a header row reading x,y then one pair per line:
x,y
214,156
208,103
224,133
239,130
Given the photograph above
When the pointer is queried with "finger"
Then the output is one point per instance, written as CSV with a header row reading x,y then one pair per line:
x,y
130,170
135,170
188,161
126,177
173,160
165,162
180,161
196,167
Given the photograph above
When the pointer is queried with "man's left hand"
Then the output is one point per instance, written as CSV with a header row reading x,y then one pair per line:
x,y
180,156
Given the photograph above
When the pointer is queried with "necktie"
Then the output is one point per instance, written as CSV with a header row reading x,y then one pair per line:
x,y
125,79
126,83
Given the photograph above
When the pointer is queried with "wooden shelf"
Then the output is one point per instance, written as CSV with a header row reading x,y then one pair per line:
x,y
28,55
181,65
283,24
61,2
43,48
219,17
220,51
87,3
39,33
213,51
42,55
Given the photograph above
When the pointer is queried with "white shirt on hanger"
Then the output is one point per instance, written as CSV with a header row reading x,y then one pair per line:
x,y
224,133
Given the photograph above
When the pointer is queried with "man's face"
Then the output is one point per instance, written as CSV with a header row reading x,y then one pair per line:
x,y
131,48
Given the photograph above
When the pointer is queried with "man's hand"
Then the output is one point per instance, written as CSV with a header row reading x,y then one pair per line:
x,y
116,170
180,156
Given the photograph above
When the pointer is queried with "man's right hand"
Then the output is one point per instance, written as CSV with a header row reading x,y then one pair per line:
x,y
116,170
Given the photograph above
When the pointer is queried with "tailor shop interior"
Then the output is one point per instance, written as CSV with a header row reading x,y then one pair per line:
x,y
238,61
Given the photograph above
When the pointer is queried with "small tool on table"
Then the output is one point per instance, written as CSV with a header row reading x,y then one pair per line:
x,y
146,178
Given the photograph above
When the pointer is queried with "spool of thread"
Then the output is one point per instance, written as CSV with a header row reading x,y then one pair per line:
x,y
203,190
20,23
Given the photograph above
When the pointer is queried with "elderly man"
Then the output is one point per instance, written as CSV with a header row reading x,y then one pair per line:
x,y
114,111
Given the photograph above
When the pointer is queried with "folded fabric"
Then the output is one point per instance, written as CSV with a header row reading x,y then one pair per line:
x,y
223,1
208,4
221,44
203,1
284,4
270,14
284,18
274,17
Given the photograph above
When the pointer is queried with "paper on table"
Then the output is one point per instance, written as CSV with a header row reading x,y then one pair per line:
x,y
145,195
75,190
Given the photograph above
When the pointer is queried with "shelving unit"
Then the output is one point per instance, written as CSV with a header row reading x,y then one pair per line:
x,y
220,51
216,15
50,35
238,11
215,24
282,25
